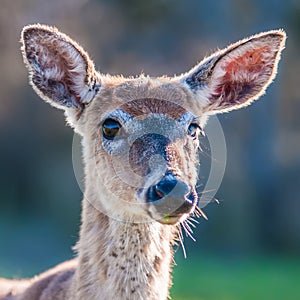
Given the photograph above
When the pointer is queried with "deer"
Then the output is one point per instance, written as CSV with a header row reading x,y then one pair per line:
x,y
140,143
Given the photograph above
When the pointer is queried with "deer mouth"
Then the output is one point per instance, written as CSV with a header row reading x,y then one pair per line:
x,y
172,219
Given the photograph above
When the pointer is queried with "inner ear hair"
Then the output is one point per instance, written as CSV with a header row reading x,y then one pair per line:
x,y
60,71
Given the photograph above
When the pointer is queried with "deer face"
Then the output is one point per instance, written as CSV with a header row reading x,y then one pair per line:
x,y
149,145
141,136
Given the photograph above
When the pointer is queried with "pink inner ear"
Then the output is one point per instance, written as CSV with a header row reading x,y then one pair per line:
x,y
251,61
243,74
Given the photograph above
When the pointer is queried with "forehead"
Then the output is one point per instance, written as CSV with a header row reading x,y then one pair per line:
x,y
145,106
140,97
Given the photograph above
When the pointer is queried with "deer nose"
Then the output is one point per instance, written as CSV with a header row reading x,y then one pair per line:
x,y
170,196
166,187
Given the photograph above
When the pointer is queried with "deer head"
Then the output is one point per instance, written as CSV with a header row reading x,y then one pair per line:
x,y
141,135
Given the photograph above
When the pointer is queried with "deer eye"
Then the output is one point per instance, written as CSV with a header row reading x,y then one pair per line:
x,y
110,129
193,130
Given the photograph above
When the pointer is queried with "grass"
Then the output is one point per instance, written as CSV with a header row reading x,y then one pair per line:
x,y
256,278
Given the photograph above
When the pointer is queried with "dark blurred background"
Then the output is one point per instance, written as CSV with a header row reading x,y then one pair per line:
x,y
250,247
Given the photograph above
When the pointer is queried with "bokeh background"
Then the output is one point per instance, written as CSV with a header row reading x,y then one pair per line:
x,y
250,246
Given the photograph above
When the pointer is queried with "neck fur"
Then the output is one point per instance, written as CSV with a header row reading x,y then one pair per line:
x,y
123,260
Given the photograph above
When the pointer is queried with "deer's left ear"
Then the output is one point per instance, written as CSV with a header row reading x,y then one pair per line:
x,y
60,71
234,77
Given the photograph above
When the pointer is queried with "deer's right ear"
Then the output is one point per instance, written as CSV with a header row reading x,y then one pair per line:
x,y
60,71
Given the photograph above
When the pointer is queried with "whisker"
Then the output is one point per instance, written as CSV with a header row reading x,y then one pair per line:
x,y
180,235
191,219
200,211
188,233
196,213
191,223
190,230
205,191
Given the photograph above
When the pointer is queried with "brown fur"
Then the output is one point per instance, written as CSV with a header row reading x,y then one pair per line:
x,y
125,247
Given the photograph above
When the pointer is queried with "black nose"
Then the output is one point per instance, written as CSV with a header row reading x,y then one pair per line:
x,y
171,196
166,187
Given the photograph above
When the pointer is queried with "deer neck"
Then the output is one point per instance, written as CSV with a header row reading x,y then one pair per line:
x,y
119,260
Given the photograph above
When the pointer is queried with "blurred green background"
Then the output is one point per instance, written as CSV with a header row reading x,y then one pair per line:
x,y
250,247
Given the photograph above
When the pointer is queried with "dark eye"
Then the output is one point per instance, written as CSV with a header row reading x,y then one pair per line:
x,y
110,129
193,130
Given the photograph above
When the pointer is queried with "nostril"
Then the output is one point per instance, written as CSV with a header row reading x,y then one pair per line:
x,y
157,192
165,186
153,194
